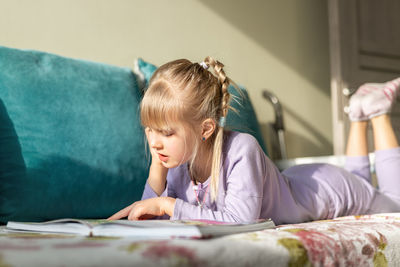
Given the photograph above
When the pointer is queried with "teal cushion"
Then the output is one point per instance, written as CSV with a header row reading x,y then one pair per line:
x,y
80,136
245,120
12,165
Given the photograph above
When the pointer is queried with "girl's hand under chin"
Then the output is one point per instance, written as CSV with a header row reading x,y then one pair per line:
x,y
154,157
146,209
158,172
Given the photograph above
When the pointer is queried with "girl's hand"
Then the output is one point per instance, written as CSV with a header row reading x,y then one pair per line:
x,y
154,157
158,172
146,209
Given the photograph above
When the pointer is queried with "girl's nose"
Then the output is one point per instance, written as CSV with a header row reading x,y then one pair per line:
x,y
155,142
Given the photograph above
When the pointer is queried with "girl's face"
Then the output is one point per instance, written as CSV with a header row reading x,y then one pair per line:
x,y
172,146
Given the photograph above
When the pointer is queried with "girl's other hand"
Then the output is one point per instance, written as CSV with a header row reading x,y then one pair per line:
x,y
146,209
158,172
154,156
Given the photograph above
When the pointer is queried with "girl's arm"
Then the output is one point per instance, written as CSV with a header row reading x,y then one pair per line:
x,y
242,201
246,174
157,179
152,206
154,193
243,212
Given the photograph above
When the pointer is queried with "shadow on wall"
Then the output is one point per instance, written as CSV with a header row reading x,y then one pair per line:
x,y
303,146
293,31
298,143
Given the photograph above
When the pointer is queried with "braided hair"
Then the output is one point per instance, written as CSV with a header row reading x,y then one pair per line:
x,y
224,106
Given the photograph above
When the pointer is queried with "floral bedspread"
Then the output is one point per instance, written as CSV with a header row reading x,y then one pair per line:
x,y
369,240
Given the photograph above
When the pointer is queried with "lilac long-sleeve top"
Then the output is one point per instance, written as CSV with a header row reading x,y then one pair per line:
x,y
250,188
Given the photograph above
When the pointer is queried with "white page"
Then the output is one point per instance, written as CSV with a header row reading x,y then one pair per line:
x,y
66,227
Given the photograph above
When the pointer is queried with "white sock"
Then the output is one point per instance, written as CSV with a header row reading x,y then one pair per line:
x,y
381,98
372,99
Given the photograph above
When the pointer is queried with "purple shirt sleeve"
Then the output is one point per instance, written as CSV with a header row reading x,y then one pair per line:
x,y
149,192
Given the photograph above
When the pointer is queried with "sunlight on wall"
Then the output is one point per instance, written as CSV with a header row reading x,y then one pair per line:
x,y
292,62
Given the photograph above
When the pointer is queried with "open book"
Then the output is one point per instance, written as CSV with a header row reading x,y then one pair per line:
x,y
146,229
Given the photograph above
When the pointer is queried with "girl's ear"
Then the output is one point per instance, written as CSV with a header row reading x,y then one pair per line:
x,y
207,128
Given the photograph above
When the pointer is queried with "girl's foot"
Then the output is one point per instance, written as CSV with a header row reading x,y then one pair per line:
x,y
381,98
373,99
354,110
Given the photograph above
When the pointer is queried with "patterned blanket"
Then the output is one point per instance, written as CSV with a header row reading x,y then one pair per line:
x,y
369,240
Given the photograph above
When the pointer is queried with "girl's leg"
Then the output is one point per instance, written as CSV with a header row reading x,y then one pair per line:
x,y
374,102
384,136
357,144
369,102
357,160
387,156
387,166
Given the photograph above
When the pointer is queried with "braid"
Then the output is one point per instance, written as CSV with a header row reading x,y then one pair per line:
x,y
223,80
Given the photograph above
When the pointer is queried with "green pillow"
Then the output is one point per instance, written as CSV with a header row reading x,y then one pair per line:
x,y
77,146
244,121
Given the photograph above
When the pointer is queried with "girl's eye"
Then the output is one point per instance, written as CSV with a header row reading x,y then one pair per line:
x,y
168,133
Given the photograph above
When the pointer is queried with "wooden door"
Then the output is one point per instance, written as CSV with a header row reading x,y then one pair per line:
x,y
364,47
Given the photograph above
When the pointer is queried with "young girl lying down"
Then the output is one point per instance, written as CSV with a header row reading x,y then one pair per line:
x,y
200,170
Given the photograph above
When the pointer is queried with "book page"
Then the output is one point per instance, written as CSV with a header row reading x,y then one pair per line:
x,y
65,226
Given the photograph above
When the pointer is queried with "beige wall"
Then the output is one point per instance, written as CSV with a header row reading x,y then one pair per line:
x,y
277,44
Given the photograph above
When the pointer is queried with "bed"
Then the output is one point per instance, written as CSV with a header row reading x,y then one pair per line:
x,y
370,240
71,146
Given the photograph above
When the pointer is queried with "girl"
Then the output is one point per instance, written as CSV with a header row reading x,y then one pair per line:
x,y
199,170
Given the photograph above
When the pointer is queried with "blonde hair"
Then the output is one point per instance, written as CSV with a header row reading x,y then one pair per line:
x,y
189,93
